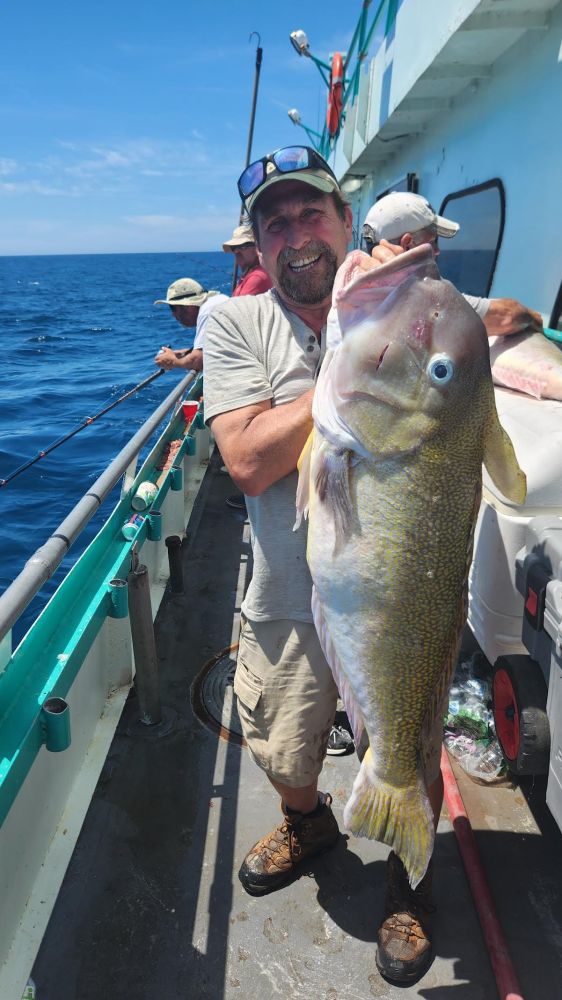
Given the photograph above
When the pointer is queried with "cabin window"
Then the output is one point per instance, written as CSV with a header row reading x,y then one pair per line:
x,y
409,182
468,260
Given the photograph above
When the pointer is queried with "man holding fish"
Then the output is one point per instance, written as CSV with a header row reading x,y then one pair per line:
x,y
383,453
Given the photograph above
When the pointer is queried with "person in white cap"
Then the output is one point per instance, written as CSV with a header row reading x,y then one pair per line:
x,y
191,305
402,220
255,278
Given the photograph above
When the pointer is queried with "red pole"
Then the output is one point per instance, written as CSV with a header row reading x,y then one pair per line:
x,y
506,979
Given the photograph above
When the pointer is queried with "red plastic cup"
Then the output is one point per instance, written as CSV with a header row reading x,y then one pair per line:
x,y
189,410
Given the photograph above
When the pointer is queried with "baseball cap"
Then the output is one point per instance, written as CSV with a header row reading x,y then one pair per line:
x,y
185,292
403,212
241,236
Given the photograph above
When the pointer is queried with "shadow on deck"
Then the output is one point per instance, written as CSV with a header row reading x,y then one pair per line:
x,y
151,907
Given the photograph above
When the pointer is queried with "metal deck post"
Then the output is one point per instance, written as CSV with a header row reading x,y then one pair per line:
x,y
144,647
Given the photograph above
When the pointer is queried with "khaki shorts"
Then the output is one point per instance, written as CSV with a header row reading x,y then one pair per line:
x,y
286,699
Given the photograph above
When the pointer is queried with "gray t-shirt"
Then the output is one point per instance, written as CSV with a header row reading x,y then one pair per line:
x,y
255,350
479,305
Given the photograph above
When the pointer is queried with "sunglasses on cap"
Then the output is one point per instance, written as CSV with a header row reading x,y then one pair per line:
x,y
288,160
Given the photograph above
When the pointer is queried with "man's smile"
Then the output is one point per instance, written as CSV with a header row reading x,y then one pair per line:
x,y
304,263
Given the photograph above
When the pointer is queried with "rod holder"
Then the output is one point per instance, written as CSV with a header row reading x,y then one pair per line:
x,y
155,525
118,598
144,647
173,544
199,422
191,445
176,478
55,724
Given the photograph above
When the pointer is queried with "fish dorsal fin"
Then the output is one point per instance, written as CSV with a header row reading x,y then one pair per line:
x,y
303,485
500,460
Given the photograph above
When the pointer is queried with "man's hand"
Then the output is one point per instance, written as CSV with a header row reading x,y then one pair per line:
x,y
505,316
191,360
385,251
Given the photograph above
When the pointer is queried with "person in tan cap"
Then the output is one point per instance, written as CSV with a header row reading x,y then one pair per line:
x,y
191,305
254,278
402,220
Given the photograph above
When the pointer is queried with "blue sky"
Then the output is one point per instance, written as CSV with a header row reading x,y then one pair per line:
x,y
123,126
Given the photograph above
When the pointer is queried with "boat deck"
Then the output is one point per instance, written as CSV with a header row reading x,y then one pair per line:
x,y
151,907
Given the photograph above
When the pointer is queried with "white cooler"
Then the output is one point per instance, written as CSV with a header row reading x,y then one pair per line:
x,y
495,609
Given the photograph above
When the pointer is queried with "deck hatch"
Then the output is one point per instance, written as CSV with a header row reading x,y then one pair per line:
x,y
212,696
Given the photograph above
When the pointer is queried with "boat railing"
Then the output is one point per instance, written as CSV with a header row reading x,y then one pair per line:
x,y
45,560
63,689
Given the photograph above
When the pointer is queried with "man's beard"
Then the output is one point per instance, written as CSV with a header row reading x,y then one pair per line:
x,y
310,287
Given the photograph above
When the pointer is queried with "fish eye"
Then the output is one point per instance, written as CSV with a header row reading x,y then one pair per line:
x,y
440,369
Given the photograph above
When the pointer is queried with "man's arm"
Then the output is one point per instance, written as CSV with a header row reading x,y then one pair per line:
x,y
261,443
191,360
505,316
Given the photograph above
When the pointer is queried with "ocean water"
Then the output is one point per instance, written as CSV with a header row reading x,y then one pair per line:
x,y
77,332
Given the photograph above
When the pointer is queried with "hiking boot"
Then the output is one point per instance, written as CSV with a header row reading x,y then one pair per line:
x,y
273,861
404,938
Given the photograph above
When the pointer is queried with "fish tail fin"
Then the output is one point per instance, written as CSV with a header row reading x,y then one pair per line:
x,y
399,817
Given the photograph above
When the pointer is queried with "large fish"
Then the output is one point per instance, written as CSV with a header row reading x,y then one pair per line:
x,y
528,363
404,416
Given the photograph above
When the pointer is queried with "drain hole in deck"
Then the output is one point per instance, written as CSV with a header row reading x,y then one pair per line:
x,y
213,699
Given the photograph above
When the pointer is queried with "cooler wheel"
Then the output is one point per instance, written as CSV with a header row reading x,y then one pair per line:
x,y
519,697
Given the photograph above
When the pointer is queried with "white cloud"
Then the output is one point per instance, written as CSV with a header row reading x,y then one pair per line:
x,y
80,169
35,187
7,167
148,233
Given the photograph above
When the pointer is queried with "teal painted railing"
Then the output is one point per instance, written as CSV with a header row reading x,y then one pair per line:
x,y
358,48
51,654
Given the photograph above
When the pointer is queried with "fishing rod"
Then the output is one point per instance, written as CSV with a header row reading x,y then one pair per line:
x,y
85,423
259,56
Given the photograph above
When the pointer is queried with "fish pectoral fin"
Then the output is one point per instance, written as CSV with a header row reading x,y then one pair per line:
x,y
332,487
303,485
501,462
398,816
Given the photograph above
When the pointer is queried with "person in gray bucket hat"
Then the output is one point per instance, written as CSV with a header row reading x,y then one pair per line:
x,y
191,305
